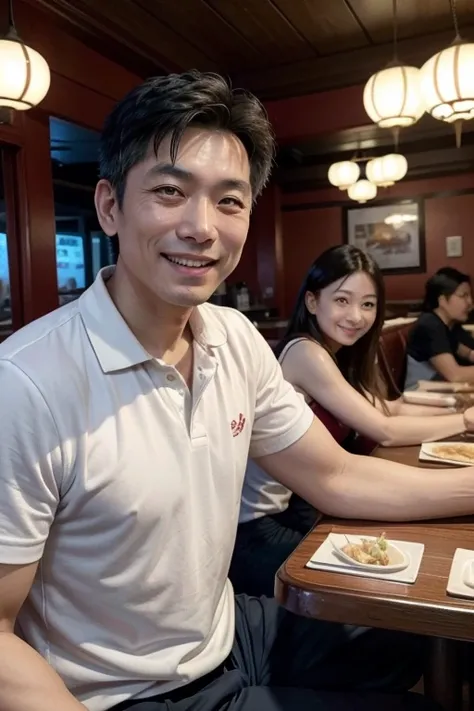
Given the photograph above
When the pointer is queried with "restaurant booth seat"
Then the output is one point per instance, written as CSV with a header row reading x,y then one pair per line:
x,y
392,357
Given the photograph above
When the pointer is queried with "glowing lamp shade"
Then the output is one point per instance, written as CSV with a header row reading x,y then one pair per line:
x,y
386,170
362,191
343,174
24,75
392,97
447,83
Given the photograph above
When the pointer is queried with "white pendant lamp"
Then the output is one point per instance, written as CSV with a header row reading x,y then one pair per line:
x,y
386,170
392,96
362,191
447,81
343,174
24,74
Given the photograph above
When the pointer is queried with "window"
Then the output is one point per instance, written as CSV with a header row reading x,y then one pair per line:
x,y
82,249
6,324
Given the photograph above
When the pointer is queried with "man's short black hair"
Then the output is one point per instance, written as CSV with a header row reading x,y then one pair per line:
x,y
166,106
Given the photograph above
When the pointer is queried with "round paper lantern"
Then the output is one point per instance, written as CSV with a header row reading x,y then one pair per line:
x,y
362,191
447,83
24,75
392,97
386,170
343,174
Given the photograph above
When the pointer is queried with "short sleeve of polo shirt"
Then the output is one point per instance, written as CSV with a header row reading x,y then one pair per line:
x,y
429,338
29,455
281,415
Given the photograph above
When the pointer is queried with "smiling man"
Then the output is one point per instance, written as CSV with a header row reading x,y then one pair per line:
x,y
127,418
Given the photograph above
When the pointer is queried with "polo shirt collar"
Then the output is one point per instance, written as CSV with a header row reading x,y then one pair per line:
x,y
114,344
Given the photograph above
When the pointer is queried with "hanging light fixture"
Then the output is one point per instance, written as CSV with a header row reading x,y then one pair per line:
x,y
343,174
362,191
24,73
447,81
392,97
386,170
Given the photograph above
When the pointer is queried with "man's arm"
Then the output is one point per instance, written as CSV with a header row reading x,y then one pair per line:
x,y
297,450
349,486
27,682
466,353
31,467
445,364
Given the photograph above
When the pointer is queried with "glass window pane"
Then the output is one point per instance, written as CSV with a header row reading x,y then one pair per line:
x,y
82,249
5,299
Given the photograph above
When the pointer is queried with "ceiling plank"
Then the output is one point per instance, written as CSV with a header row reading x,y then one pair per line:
x,y
328,27
135,29
340,70
204,28
430,15
266,28
371,137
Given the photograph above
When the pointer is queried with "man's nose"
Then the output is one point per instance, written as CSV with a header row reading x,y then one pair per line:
x,y
199,221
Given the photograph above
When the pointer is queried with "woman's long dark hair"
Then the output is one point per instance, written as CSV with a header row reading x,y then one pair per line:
x,y
358,362
443,283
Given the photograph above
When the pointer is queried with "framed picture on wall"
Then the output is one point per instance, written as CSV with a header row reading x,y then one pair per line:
x,y
392,232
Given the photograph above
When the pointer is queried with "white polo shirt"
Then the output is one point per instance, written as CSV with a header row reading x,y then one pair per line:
x,y
127,487
261,494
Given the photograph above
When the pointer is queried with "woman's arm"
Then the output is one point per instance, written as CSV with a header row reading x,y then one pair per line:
x,y
399,407
309,367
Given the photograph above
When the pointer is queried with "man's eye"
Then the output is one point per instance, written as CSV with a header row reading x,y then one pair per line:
x,y
234,202
167,190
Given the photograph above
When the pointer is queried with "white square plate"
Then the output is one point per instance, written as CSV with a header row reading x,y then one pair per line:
x,y
426,453
326,558
462,569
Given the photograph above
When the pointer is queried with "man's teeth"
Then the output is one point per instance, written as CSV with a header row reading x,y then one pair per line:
x,y
188,262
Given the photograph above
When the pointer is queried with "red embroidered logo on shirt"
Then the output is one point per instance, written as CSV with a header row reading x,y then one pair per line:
x,y
237,425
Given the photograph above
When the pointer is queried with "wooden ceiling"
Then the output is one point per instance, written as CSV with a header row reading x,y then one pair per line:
x,y
283,48
277,48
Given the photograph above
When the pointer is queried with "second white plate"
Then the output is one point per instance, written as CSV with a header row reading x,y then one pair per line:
x,y
427,453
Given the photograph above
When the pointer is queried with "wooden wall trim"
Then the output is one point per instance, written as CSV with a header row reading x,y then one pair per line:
x,y
295,207
38,238
9,167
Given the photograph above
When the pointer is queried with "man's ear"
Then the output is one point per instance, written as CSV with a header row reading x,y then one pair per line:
x,y
107,207
442,300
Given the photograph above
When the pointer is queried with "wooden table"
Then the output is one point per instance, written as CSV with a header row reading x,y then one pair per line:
x,y
422,608
405,455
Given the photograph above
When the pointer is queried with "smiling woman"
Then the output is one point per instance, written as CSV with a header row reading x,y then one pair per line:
x,y
329,355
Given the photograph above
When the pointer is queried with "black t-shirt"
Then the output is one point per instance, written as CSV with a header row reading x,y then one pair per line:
x,y
430,337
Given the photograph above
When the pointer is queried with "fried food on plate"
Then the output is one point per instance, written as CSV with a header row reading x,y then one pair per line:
x,y
459,451
368,552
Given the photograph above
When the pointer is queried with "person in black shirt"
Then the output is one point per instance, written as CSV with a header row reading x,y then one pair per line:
x,y
439,348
